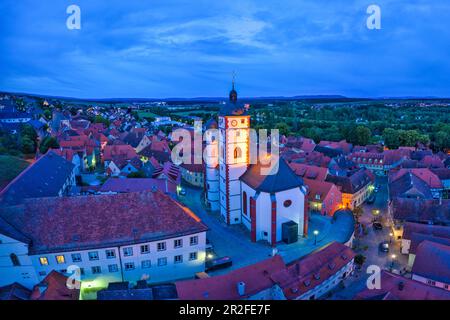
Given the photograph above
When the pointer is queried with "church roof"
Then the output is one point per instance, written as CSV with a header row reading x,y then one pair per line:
x,y
283,179
233,109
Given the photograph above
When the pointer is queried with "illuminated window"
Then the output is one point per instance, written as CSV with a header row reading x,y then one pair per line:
x,y
60,259
43,261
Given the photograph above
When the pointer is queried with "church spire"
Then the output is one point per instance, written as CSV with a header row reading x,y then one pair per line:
x,y
233,92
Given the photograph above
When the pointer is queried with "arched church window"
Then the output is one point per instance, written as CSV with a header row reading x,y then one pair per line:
x,y
244,202
14,259
237,153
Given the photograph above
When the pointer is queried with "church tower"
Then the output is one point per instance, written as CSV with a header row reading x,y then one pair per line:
x,y
212,165
234,146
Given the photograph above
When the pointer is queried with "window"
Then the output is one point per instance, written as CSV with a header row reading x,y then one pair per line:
x,y
146,264
42,273
96,270
244,202
193,240
93,255
193,256
129,266
60,259
178,243
127,252
237,153
43,261
145,249
161,246
14,259
82,271
110,254
162,262
113,268
63,271
178,259
287,203
76,257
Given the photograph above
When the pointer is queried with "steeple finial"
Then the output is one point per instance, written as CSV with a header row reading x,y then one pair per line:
x,y
233,92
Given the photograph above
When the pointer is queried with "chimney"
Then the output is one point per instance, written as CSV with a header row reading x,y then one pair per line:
x,y
241,288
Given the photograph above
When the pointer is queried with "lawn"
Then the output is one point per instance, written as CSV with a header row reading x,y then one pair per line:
x,y
10,167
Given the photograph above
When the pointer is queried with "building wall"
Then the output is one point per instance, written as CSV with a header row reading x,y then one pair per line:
x,y
328,284
431,282
295,212
35,271
193,178
25,274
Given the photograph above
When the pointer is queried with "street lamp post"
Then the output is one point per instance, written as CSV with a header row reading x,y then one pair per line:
x,y
390,237
392,261
315,236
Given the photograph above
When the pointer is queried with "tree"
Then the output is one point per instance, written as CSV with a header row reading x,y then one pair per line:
x,y
28,146
100,119
391,138
360,259
137,174
48,143
362,135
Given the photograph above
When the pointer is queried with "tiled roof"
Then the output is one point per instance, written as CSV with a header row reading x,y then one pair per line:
x,y
309,172
138,184
87,222
124,150
44,178
257,277
438,231
432,261
54,287
14,291
426,175
353,183
320,188
312,270
395,287
283,179
418,210
409,186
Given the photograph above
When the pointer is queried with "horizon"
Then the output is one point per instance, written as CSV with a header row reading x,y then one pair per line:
x,y
277,49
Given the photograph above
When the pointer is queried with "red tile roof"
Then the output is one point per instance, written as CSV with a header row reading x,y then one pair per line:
x,y
257,277
308,272
86,222
395,287
54,287
309,172
124,150
426,175
138,184
432,261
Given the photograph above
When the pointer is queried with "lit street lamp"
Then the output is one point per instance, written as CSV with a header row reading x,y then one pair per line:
x,y
392,261
316,232
390,237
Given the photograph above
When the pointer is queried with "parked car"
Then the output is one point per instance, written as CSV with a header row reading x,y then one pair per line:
x,y
218,263
384,246
377,226
371,198
182,192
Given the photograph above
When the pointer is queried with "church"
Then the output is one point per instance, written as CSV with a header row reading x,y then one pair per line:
x,y
273,206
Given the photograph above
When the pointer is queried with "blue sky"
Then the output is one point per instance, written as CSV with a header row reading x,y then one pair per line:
x,y
166,48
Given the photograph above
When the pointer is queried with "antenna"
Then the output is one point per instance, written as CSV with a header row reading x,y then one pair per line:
x,y
233,75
